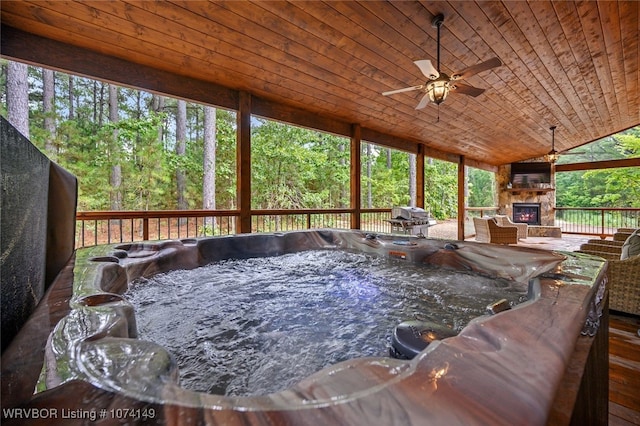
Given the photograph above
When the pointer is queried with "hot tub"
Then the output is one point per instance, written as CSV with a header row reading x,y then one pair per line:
x,y
505,368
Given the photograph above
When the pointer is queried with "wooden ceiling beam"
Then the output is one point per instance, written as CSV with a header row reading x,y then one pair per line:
x,y
287,114
40,51
597,165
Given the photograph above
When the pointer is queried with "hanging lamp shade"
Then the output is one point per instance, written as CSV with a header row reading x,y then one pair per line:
x,y
553,155
438,90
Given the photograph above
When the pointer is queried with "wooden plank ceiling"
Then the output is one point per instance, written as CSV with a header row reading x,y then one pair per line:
x,y
569,64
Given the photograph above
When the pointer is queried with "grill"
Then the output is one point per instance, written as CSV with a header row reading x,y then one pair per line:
x,y
410,221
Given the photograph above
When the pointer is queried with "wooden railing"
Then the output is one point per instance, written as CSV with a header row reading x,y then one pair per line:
x,y
600,221
108,227
480,211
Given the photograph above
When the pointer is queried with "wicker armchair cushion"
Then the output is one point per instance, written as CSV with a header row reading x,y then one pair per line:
x,y
631,246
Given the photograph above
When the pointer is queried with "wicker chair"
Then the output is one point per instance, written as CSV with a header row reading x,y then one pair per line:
x,y
606,242
622,234
627,230
601,248
602,254
624,285
623,275
523,228
488,231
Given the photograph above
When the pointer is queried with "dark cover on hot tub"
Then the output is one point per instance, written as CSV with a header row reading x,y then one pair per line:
x,y
38,222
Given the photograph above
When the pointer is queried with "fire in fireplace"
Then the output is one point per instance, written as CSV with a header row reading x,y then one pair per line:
x,y
528,213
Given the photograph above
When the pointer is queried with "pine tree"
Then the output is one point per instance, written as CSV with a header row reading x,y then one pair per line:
x,y
18,97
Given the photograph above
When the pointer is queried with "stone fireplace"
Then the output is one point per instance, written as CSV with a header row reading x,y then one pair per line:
x,y
543,197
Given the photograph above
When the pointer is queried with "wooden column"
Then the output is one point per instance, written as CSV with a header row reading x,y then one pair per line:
x,y
356,166
553,197
243,163
461,197
420,177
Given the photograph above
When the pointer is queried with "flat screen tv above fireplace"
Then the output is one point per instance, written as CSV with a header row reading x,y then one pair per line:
x,y
530,174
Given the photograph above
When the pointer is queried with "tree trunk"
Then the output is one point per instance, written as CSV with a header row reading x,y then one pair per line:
x,y
18,96
71,98
116,170
157,103
412,180
466,186
181,148
95,104
388,158
209,178
48,91
98,110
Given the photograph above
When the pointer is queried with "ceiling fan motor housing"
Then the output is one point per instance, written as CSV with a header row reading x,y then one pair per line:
x,y
437,20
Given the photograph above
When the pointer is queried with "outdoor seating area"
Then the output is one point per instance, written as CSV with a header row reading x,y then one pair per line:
x,y
489,231
623,272
523,228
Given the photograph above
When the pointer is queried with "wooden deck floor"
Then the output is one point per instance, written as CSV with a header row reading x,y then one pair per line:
x,y
624,370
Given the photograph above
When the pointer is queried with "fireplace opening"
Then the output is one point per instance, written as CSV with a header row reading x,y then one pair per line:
x,y
528,213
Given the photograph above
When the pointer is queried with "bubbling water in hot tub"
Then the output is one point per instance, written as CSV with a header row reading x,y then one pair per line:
x,y
257,326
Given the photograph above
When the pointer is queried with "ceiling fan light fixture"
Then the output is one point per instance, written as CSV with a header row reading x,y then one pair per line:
x,y
438,90
439,84
553,155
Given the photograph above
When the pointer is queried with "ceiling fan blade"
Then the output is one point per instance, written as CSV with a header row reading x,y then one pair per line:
x,y
465,89
475,69
406,89
423,102
427,69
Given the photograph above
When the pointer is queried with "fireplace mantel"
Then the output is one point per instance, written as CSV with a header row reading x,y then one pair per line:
x,y
536,190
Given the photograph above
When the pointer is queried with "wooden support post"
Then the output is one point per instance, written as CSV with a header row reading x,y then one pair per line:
x,y
243,163
420,177
145,228
461,197
356,190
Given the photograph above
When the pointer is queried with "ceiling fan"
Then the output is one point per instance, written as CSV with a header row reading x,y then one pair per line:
x,y
439,84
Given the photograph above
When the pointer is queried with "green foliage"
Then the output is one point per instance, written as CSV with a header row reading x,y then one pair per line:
x,y
292,167
482,188
143,161
295,168
441,183
608,187
389,186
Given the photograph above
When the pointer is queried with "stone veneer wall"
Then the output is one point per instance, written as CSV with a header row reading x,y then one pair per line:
x,y
506,198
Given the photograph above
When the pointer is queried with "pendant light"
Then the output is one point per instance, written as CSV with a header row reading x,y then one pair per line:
x,y
553,155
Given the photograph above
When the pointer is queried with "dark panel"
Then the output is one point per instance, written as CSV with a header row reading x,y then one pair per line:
x,y
61,221
25,181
